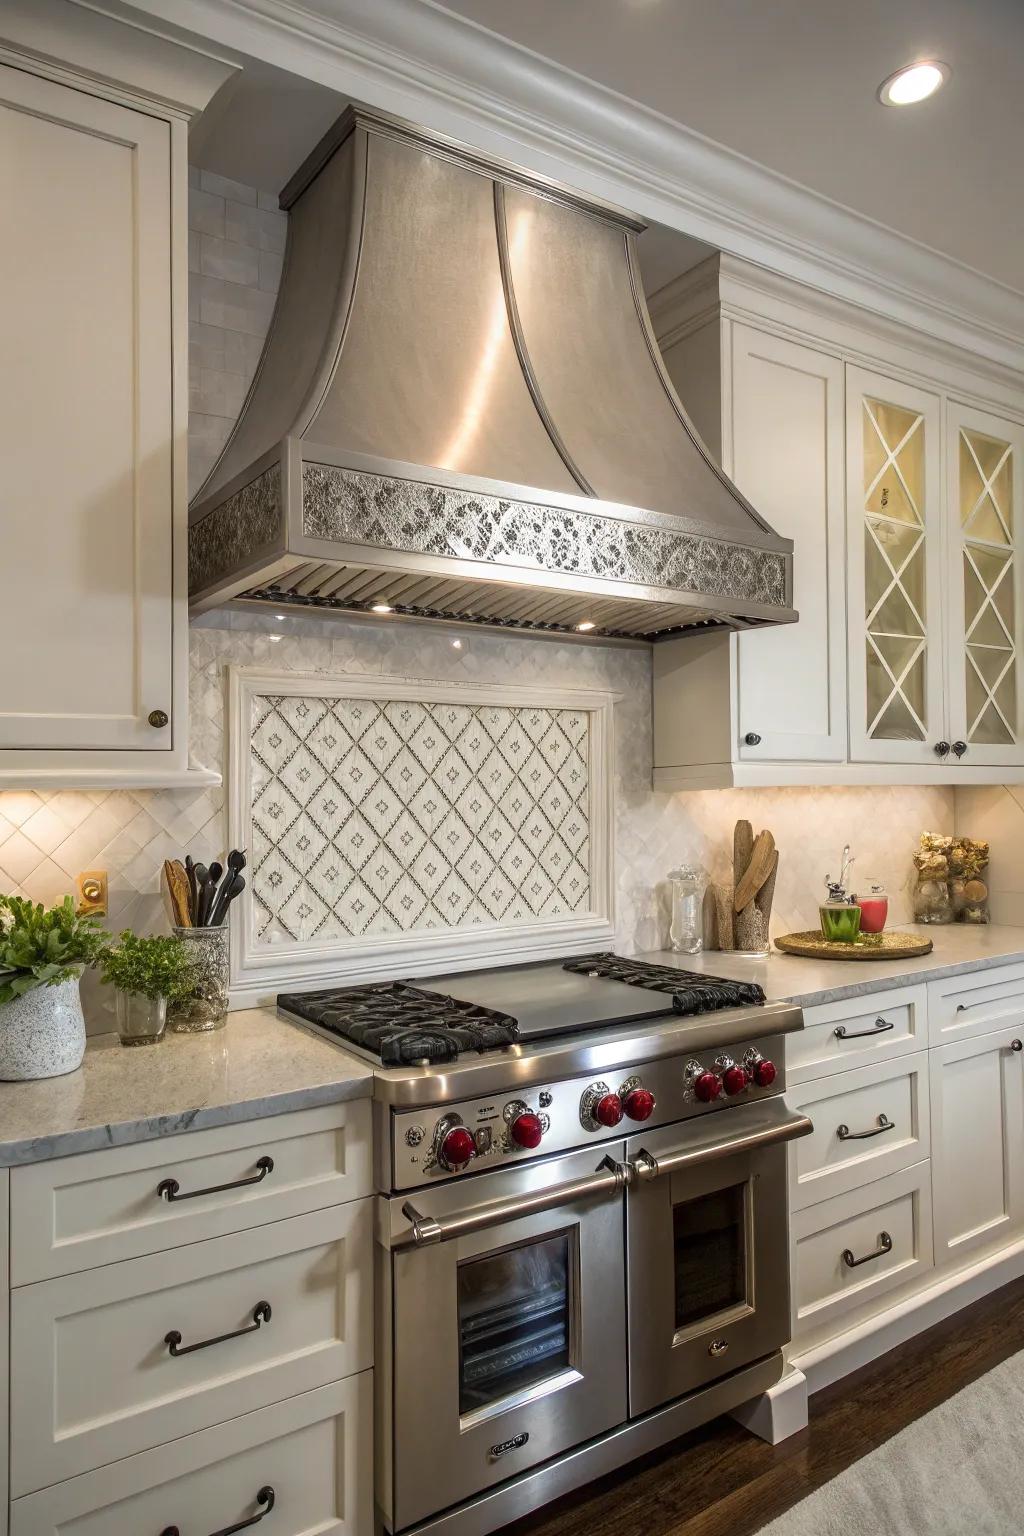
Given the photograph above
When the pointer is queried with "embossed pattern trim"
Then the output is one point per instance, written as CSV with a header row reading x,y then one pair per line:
x,y
384,816
234,531
391,513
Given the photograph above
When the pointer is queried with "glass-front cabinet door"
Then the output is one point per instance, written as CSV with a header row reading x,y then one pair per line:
x,y
894,532
986,520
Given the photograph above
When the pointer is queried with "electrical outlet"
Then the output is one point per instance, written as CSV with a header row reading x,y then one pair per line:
x,y
92,893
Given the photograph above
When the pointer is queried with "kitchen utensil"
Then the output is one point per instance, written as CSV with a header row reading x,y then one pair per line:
x,y
193,889
757,871
233,885
178,887
210,892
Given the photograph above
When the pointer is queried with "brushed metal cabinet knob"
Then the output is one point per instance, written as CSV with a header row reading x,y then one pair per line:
x,y
158,718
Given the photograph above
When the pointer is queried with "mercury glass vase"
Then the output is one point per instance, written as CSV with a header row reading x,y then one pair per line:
x,y
140,1020
206,1005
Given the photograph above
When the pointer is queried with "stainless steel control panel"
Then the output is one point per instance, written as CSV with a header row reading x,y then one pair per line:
x,y
432,1144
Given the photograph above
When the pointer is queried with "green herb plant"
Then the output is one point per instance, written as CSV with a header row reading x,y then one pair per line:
x,y
156,966
40,946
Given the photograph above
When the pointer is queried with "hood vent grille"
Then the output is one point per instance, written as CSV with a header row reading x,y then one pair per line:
x,y
461,413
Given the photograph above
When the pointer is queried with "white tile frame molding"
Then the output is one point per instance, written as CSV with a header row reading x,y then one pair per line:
x,y
258,967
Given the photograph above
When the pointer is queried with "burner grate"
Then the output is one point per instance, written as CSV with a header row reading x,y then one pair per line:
x,y
401,1024
692,992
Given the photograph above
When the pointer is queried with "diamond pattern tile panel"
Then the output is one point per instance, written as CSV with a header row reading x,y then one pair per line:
x,y
381,817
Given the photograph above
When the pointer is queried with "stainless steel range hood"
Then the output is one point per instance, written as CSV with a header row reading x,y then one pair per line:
x,y
461,413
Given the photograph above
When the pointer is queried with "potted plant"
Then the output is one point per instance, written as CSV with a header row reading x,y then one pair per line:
x,y
147,973
43,952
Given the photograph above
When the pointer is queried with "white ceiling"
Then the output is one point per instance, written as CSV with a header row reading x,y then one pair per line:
x,y
791,84
263,123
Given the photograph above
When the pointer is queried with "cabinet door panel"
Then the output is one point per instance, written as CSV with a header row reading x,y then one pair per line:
x,y
85,419
985,458
977,1105
894,534
787,456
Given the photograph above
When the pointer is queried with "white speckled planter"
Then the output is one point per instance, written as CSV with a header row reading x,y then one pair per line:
x,y
42,1034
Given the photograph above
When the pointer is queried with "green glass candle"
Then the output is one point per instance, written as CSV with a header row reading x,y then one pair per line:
x,y
840,922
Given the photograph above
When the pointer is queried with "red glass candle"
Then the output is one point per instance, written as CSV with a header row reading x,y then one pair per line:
x,y
874,909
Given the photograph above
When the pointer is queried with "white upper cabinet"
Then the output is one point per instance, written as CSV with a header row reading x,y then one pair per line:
x,y
894,539
905,505
94,397
86,421
986,597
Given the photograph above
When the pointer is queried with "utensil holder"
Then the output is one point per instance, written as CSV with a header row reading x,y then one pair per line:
x,y
206,1006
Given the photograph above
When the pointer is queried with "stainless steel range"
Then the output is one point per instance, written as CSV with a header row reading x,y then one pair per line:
x,y
582,1227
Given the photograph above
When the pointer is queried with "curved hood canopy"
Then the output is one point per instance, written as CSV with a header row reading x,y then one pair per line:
x,y
461,412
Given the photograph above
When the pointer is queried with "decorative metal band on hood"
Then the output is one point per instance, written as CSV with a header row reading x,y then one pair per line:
x,y
461,413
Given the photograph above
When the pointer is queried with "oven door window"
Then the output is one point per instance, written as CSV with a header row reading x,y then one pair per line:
x,y
514,1309
710,1243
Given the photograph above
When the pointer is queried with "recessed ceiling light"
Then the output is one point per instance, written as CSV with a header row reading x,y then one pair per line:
x,y
915,82
381,608
587,624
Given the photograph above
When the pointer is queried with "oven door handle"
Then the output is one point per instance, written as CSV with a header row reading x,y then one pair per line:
x,y
786,1127
610,1178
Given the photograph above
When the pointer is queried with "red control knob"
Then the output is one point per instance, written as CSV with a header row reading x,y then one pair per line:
x,y
526,1130
765,1073
608,1110
707,1087
638,1104
734,1079
456,1149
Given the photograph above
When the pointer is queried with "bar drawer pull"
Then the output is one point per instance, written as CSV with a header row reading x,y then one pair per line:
x,y
260,1315
884,1124
170,1189
265,1497
878,1028
884,1246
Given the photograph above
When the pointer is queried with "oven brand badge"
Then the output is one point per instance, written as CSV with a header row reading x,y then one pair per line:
x,y
504,1446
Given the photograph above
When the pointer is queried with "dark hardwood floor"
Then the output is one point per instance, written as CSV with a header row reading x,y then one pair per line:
x,y
722,1481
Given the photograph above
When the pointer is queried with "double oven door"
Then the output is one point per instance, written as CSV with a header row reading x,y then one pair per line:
x,y
528,1310
507,1317
707,1249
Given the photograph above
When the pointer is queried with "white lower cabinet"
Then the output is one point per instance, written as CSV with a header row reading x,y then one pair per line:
x,y
312,1452
167,1379
856,1248
977,1099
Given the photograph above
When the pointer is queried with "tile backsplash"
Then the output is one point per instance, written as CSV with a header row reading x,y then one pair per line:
x,y
47,837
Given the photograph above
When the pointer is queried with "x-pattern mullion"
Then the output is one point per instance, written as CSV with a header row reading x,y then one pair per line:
x,y
897,683
897,577
891,457
988,486
990,593
990,694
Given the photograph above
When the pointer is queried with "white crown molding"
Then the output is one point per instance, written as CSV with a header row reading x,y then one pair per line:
x,y
416,59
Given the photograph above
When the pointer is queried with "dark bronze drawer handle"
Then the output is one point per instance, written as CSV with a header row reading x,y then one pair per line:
x,y
264,1497
260,1315
884,1246
878,1028
884,1124
170,1189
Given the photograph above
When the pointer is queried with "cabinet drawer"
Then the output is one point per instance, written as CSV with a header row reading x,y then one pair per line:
x,y
825,1285
857,1031
314,1451
96,1378
101,1207
867,1123
975,1003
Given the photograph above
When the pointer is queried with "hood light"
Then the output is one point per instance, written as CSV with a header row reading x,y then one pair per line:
x,y
587,624
381,608
915,82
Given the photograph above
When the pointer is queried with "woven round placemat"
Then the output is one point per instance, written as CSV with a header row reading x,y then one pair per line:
x,y
870,946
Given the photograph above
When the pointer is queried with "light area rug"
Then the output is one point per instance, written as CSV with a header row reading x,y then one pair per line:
x,y
958,1471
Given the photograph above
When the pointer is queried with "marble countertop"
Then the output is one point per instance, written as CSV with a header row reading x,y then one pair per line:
x,y
792,979
257,1065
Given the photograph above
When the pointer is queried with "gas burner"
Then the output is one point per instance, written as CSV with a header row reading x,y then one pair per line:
x,y
691,991
401,1025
